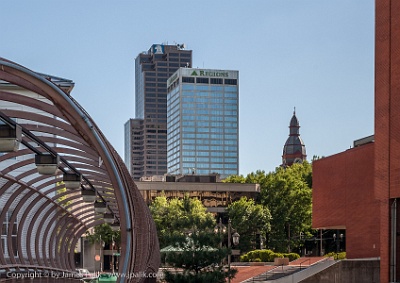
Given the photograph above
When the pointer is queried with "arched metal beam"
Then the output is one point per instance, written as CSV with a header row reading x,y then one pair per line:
x,y
81,142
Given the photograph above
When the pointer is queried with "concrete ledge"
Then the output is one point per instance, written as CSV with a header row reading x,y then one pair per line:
x,y
281,261
346,271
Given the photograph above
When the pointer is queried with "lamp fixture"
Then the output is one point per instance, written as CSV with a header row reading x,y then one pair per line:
x,y
108,218
100,207
10,138
88,195
235,238
72,180
46,163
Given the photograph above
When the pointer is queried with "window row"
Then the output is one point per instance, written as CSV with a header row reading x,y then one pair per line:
x,y
226,125
208,136
208,130
215,81
188,87
210,100
210,154
213,147
209,165
210,118
206,143
208,159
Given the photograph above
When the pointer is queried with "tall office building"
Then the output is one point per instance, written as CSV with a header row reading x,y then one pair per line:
x,y
203,129
146,135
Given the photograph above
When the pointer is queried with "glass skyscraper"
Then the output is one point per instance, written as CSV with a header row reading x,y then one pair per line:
x,y
146,135
202,122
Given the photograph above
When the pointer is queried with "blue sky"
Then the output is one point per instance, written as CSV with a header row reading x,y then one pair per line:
x,y
315,55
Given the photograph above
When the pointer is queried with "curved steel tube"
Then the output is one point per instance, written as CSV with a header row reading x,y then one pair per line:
x,y
81,144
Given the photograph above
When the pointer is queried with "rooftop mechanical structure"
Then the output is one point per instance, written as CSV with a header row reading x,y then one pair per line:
x,y
56,166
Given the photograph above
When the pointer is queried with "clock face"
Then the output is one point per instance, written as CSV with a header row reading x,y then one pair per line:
x,y
298,160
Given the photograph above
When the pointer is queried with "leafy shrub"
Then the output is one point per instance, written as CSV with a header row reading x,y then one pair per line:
x,y
292,256
266,256
341,255
244,258
257,260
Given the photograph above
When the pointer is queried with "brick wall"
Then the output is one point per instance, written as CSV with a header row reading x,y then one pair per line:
x,y
330,175
387,118
343,196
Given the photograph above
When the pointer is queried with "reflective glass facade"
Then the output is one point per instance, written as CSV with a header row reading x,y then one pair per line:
x,y
202,122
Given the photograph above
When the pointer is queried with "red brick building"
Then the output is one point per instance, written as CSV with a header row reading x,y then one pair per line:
x,y
343,198
358,189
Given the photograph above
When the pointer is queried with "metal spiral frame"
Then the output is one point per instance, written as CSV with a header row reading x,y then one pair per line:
x,y
49,223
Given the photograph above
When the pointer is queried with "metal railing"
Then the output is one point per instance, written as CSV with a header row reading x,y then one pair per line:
x,y
278,272
283,270
309,260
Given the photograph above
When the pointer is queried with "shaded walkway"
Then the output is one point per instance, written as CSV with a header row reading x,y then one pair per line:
x,y
306,261
248,272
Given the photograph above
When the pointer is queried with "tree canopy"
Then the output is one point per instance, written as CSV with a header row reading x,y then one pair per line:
x,y
199,259
104,233
187,229
174,217
249,219
287,194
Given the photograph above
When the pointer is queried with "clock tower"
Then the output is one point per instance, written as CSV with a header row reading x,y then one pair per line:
x,y
294,150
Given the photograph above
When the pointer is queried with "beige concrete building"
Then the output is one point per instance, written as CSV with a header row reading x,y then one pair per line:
x,y
215,195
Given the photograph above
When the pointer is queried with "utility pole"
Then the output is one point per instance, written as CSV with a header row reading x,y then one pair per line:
x,y
289,237
320,242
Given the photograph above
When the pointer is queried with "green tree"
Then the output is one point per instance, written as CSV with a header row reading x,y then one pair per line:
x,y
198,259
235,179
287,194
249,219
186,225
175,217
104,233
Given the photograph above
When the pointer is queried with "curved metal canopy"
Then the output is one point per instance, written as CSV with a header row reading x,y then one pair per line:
x,y
42,221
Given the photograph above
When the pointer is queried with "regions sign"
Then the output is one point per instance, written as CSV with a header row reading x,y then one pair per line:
x,y
201,73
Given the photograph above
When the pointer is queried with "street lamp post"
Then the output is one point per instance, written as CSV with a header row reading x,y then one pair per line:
x,y
83,251
112,253
337,241
302,243
320,243
229,244
102,244
221,229
235,238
